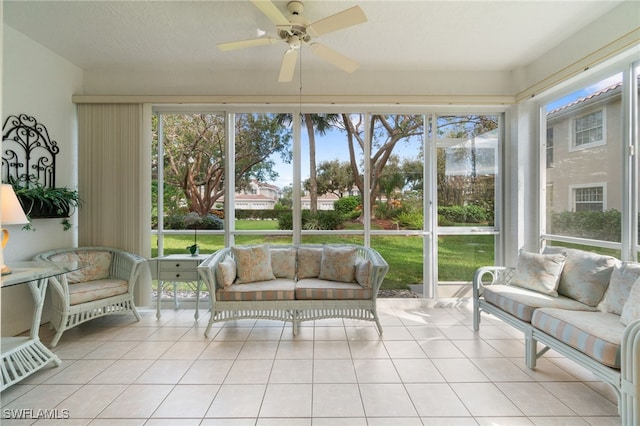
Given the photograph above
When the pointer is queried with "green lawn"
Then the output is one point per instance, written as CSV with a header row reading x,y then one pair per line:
x,y
459,255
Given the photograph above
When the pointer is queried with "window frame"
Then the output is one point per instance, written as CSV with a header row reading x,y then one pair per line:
x,y
574,136
598,185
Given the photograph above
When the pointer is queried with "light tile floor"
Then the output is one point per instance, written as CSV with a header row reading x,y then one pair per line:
x,y
429,368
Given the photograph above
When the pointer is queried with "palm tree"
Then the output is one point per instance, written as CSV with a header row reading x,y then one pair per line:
x,y
319,123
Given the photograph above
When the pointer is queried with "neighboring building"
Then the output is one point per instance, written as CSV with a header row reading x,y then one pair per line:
x,y
325,202
583,153
258,196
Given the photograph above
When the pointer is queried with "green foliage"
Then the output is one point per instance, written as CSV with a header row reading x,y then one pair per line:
x,y
40,202
285,221
597,225
346,205
266,214
464,214
177,221
410,220
321,220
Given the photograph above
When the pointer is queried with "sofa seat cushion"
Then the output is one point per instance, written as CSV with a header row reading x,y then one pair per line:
x,y
596,334
96,290
317,289
521,303
277,289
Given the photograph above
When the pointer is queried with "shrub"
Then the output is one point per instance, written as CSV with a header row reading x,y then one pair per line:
x,y
176,221
411,220
285,221
465,214
322,220
597,225
330,219
346,205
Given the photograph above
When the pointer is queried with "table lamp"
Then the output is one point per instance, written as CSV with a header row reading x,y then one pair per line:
x,y
10,214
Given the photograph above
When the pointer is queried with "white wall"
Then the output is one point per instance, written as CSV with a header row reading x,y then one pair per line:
x,y
37,82
601,39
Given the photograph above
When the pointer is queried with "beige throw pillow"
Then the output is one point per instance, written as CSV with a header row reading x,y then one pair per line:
x,y
338,264
253,263
226,272
539,272
631,309
309,262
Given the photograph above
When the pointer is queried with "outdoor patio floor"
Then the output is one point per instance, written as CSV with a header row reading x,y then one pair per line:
x,y
428,368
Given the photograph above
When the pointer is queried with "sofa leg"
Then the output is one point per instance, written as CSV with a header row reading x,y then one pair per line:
x,y
294,325
531,346
476,315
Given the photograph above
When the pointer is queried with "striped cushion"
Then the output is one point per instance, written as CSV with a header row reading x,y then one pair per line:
x,y
316,289
596,334
96,290
278,289
521,302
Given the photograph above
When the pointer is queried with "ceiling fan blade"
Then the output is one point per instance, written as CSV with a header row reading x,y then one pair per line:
x,y
241,44
271,11
330,55
288,67
346,18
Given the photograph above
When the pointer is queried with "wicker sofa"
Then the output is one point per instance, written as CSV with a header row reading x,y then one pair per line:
x,y
104,287
293,283
583,305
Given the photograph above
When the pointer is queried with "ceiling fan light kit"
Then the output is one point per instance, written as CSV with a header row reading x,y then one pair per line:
x,y
296,30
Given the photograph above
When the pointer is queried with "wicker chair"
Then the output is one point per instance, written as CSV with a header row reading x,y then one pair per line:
x,y
105,286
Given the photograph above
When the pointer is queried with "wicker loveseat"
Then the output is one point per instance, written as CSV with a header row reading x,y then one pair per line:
x,y
105,286
583,305
293,283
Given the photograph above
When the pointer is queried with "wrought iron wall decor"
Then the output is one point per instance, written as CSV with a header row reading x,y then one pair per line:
x,y
28,153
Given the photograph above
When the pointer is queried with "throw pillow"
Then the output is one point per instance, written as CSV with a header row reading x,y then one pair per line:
x,y
364,269
99,262
226,272
253,263
585,276
338,264
631,310
622,279
283,262
309,262
539,272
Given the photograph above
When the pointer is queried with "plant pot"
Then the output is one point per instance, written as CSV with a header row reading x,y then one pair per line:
x,y
37,210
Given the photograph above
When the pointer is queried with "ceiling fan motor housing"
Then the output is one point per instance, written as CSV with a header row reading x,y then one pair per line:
x,y
295,7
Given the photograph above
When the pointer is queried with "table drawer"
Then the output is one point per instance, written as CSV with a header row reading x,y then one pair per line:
x,y
173,275
178,265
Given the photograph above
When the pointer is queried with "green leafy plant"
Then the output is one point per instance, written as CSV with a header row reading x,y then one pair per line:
x,y
192,221
40,202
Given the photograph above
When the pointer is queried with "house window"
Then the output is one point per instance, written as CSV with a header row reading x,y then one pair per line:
x,y
589,129
589,199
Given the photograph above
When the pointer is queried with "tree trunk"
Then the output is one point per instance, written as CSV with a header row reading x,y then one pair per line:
x,y
313,177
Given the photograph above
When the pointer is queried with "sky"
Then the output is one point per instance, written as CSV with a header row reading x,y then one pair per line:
x,y
565,100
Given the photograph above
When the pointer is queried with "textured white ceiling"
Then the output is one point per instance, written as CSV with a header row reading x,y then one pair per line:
x,y
399,35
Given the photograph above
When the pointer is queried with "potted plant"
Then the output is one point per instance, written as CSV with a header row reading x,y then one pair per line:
x,y
192,220
40,202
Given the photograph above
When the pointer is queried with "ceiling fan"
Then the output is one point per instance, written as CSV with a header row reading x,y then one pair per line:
x,y
296,30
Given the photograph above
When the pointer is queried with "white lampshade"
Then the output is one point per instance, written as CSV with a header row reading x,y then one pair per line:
x,y
12,213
